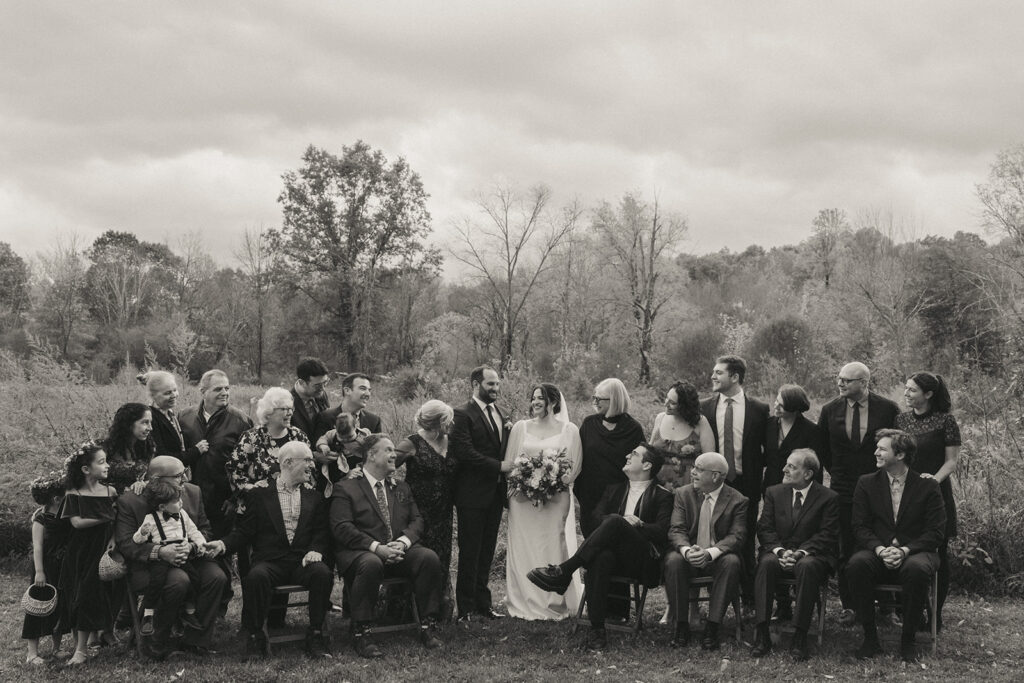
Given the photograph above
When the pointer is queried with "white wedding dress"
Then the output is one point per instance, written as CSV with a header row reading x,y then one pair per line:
x,y
539,536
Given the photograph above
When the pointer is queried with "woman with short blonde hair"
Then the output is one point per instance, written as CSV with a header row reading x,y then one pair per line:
x,y
254,461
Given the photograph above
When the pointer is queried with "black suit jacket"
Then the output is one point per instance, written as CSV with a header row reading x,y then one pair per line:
x,y
815,530
803,434
356,519
302,419
844,461
167,442
479,452
655,511
261,526
921,524
324,423
755,425
132,510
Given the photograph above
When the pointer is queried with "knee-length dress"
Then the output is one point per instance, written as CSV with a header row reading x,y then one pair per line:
x,y
55,539
431,476
86,600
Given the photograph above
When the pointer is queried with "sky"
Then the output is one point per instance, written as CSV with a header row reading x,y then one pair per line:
x,y
165,119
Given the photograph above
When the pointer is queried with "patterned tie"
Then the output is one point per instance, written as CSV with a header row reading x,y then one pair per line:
x,y
382,503
177,427
897,495
855,425
728,449
704,523
798,504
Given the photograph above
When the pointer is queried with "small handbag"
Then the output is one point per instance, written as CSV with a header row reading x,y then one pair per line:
x,y
39,601
112,565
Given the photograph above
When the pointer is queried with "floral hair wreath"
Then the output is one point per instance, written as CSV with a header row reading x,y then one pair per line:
x,y
80,452
51,481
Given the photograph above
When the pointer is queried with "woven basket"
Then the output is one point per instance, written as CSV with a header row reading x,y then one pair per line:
x,y
39,601
112,566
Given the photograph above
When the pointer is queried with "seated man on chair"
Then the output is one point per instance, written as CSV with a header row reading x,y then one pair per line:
x,y
211,581
631,534
898,520
377,528
799,536
285,525
706,534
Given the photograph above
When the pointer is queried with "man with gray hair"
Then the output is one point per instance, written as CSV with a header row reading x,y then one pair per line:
x,y
706,535
799,536
167,433
847,427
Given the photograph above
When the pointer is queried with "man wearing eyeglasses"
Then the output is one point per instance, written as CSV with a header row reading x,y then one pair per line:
x,y
309,394
848,425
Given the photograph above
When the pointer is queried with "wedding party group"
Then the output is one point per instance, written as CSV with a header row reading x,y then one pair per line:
x,y
144,528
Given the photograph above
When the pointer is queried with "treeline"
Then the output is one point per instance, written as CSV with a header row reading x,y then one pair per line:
x,y
574,293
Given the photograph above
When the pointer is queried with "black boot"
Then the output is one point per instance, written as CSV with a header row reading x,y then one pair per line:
x,y
681,638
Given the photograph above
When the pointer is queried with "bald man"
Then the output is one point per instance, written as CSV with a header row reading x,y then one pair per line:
x,y
167,433
212,581
706,535
847,427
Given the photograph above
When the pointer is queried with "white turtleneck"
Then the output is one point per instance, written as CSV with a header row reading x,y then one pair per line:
x,y
636,490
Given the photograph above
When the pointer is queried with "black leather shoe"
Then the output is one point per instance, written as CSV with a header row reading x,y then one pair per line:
x,y
257,645
784,611
159,653
798,648
681,637
908,650
550,578
597,639
762,642
316,644
710,640
430,636
364,646
868,649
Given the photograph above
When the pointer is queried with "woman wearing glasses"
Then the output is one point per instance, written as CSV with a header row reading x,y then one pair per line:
x,y
682,433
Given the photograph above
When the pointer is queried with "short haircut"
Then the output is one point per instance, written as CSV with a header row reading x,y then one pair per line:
x,y
292,450
161,492
940,401
351,378
275,397
343,417
808,459
477,376
734,365
619,402
902,443
434,415
654,456
310,367
206,381
794,398
552,397
156,380
368,444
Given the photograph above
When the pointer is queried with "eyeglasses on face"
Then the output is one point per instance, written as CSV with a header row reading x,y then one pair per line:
x,y
598,399
846,380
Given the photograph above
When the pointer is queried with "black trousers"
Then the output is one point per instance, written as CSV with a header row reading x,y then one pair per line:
x,y
366,572
478,537
211,583
258,589
615,548
725,575
847,547
810,573
865,570
158,572
753,493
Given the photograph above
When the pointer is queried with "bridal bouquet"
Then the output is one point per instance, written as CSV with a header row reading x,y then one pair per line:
x,y
540,477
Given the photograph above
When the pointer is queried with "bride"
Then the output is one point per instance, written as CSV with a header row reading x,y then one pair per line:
x,y
538,536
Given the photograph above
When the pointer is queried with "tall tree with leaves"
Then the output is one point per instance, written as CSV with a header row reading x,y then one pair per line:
x,y
347,220
61,311
13,288
830,225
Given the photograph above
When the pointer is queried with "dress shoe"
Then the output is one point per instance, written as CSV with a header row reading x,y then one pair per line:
x,y
681,637
869,648
597,639
257,645
190,621
798,648
316,644
491,613
784,611
363,645
146,628
847,617
762,642
710,640
908,649
550,578
430,635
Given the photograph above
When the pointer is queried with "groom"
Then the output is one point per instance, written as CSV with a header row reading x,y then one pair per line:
x,y
478,441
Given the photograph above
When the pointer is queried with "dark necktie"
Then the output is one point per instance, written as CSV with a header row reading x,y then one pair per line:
x,y
490,417
177,427
382,503
855,425
798,504
727,447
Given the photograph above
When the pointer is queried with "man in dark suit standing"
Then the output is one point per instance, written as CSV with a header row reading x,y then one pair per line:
x,y
899,520
478,440
706,535
285,525
355,394
630,536
799,535
309,395
131,511
848,425
740,425
377,527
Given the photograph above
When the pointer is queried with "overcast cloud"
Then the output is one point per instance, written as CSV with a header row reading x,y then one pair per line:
x,y
164,118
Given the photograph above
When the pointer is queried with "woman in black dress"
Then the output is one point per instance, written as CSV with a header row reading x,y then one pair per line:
x,y
787,431
938,452
430,474
129,445
89,507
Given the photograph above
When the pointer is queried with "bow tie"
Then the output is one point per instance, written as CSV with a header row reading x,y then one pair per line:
x,y
172,515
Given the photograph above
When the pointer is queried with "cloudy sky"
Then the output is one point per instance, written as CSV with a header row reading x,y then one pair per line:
x,y
165,118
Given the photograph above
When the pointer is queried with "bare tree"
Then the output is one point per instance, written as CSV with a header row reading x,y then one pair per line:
x,y
1002,198
640,239
510,249
259,261
61,283
829,227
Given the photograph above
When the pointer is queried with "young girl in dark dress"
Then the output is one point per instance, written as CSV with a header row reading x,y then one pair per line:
x,y
89,507
49,541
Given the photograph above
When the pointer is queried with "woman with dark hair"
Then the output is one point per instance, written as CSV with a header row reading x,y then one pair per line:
x,y
682,433
787,431
938,452
607,437
129,445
